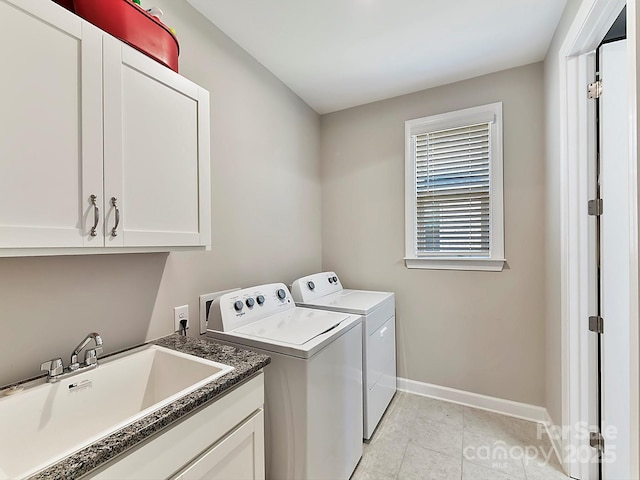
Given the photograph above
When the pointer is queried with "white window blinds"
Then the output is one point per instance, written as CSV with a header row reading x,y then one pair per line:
x,y
453,192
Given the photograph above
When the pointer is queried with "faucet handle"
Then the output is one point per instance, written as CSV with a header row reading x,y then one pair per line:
x,y
91,356
53,367
74,365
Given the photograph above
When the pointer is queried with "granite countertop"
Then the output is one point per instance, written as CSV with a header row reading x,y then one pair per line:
x,y
245,363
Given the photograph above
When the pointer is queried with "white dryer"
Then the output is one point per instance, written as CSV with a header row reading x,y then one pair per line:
x,y
313,386
324,291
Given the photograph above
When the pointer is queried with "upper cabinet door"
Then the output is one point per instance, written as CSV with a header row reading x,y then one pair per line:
x,y
156,153
50,129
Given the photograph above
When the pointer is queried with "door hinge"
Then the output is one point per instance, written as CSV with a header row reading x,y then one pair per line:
x,y
596,324
595,207
595,89
596,440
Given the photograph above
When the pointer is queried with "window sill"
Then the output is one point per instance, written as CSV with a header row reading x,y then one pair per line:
x,y
471,264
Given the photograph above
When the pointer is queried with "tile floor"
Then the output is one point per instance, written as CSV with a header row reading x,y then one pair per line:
x,y
426,439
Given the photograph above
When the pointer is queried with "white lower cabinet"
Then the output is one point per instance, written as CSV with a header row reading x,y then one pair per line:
x,y
224,440
239,456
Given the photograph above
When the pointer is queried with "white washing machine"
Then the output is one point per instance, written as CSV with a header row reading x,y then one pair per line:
x,y
313,386
324,291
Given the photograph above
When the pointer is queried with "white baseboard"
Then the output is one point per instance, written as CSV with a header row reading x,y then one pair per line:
x,y
524,411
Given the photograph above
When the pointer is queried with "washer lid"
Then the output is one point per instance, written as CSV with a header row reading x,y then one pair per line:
x,y
296,326
360,302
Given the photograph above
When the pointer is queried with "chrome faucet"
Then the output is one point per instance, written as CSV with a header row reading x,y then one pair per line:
x,y
55,368
90,356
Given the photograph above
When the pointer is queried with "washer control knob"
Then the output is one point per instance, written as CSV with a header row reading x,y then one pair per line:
x,y
335,280
250,302
311,285
260,300
281,294
238,305
330,280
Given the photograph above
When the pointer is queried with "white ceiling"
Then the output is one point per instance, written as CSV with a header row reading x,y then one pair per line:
x,y
337,54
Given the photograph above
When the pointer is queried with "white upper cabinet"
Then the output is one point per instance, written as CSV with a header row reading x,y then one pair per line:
x,y
101,148
48,151
156,126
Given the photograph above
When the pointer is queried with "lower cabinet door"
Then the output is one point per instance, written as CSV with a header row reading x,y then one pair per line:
x,y
239,456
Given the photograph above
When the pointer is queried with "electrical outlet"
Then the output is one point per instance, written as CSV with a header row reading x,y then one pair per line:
x,y
180,313
205,304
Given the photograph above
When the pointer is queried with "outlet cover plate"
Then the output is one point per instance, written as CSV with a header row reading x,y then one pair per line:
x,y
180,313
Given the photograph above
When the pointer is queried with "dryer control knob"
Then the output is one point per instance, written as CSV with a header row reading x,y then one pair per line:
x,y
330,280
311,285
238,306
260,300
250,302
281,294
335,279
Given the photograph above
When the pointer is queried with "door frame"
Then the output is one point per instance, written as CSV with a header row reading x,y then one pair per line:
x,y
592,22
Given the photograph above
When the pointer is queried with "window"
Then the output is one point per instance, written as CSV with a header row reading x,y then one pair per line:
x,y
453,205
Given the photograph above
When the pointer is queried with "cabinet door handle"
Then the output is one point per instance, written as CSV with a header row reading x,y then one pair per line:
x,y
382,332
96,215
114,230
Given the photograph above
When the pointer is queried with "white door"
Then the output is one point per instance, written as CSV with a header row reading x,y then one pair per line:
x,y
50,128
615,261
156,153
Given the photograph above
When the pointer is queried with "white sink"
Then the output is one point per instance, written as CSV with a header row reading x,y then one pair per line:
x,y
49,421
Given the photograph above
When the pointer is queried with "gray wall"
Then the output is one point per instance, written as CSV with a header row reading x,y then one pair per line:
x,y
477,331
266,220
553,328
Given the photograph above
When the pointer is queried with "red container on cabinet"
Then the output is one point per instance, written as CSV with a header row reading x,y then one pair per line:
x,y
131,24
